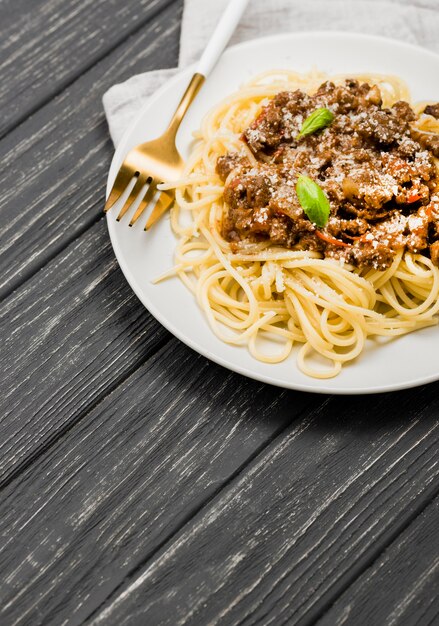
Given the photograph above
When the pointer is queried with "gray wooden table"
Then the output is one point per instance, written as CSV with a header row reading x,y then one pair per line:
x,y
137,492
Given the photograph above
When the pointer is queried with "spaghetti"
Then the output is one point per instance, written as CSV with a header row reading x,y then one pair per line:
x,y
269,297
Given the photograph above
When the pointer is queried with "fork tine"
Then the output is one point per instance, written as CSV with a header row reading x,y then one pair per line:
x,y
121,182
165,200
145,201
133,195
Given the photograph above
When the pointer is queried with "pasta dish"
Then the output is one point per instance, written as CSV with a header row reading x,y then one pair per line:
x,y
308,214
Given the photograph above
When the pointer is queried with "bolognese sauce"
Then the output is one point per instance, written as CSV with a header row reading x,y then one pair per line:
x,y
376,168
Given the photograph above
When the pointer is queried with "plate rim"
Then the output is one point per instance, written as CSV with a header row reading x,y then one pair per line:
x,y
150,306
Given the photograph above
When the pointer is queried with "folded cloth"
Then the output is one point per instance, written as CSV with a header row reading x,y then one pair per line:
x,y
414,21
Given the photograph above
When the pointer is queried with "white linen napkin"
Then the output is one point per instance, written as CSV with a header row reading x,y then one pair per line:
x,y
414,21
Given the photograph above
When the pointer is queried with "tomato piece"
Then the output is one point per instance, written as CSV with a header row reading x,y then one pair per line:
x,y
413,198
332,240
357,237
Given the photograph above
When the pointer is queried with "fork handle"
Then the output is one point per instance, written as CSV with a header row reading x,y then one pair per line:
x,y
188,97
210,56
224,30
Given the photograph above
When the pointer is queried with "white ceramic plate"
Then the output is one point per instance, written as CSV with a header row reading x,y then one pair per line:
x,y
404,362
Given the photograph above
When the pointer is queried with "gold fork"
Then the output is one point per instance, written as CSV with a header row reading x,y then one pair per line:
x,y
158,161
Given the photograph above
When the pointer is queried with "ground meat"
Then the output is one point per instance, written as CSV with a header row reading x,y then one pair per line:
x,y
374,254
248,191
381,126
417,227
280,232
406,148
227,163
404,112
309,242
428,141
369,187
434,252
432,109
339,228
376,169
258,190
273,125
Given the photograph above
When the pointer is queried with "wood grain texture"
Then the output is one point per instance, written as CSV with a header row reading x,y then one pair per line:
x,y
67,336
141,483
401,588
54,166
282,541
104,497
45,44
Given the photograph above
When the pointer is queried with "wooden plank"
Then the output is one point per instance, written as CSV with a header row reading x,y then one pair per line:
x,y
52,182
46,44
401,587
308,515
123,480
68,335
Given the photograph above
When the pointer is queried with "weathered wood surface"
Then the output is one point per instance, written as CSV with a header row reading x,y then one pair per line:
x,y
137,492
101,500
280,543
54,165
68,336
401,587
46,44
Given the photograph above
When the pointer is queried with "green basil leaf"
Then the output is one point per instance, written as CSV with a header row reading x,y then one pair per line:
x,y
313,201
320,118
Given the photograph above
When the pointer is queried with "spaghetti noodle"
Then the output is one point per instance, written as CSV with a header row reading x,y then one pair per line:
x,y
269,297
